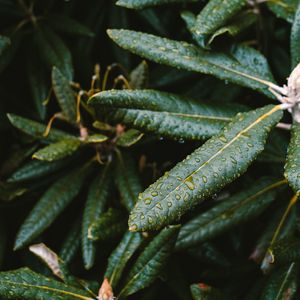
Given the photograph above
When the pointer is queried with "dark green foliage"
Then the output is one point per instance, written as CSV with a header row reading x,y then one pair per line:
x,y
149,149
218,162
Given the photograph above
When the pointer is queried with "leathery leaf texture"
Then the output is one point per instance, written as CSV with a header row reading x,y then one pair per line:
x,y
214,15
150,262
292,167
208,169
239,208
51,204
26,284
166,114
242,65
140,4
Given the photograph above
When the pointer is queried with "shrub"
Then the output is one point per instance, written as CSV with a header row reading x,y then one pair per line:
x,y
172,177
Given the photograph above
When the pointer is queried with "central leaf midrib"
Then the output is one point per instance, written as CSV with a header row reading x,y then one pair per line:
x,y
258,120
46,288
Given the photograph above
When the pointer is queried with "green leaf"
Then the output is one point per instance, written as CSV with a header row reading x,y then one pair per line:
x,y
140,4
242,65
35,169
52,203
37,129
129,138
96,138
282,284
26,284
238,209
121,255
64,94
98,196
65,24
109,225
71,243
214,15
238,24
203,291
165,114
284,9
127,180
139,77
57,150
292,166
295,39
189,18
53,51
208,169
150,262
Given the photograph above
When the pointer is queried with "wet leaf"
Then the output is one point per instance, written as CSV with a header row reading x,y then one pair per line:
x,y
218,162
140,4
150,262
165,114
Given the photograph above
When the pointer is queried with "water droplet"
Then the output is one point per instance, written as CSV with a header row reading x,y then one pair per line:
x,y
150,220
133,227
189,183
186,197
181,141
169,204
158,205
233,160
154,194
177,197
250,145
147,201
223,138
142,216
204,178
216,175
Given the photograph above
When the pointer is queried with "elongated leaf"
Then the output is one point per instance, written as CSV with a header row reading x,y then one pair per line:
x,y
65,24
243,65
236,210
295,39
150,262
95,205
165,114
127,180
140,4
51,204
108,226
64,94
57,150
218,162
53,51
238,24
129,138
139,76
36,169
96,138
71,243
214,15
292,166
26,284
282,284
120,256
284,9
37,129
